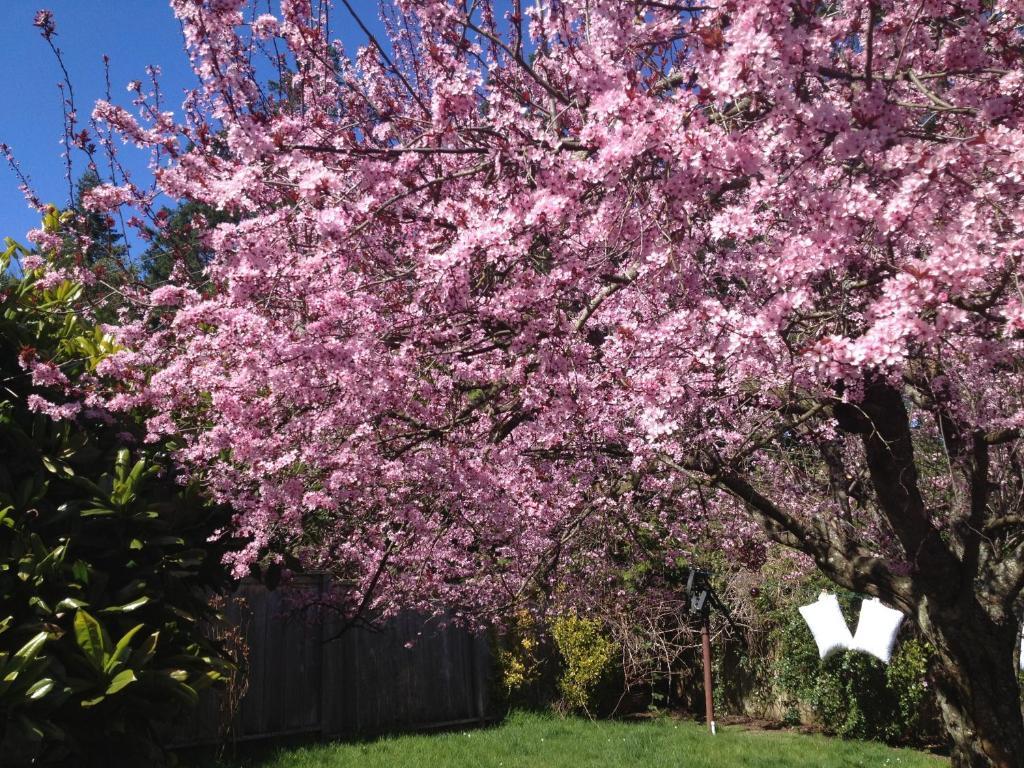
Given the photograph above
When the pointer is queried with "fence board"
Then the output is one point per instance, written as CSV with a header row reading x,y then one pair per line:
x,y
302,662
364,681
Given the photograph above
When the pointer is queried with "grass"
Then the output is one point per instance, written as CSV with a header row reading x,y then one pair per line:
x,y
539,741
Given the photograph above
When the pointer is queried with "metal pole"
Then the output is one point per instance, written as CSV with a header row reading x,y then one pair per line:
x,y
709,698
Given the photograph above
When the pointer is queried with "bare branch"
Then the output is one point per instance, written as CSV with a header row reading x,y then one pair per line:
x,y
603,295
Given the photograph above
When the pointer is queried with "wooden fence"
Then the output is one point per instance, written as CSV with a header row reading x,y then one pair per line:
x,y
300,681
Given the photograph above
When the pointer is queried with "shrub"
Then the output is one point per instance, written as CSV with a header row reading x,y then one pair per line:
x,y
589,659
105,569
907,677
517,654
850,694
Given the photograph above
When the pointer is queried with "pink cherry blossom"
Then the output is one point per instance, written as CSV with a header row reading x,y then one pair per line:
x,y
506,300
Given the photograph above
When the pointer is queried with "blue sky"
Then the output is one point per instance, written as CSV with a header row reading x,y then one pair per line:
x,y
134,34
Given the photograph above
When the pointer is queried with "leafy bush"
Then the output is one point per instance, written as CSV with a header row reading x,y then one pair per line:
x,y
907,677
851,694
105,569
770,669
516,654
588,655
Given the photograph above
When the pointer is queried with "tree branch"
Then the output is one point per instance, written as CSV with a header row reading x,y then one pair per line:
x,y
551,90
889,449
603,295
843,561
978,482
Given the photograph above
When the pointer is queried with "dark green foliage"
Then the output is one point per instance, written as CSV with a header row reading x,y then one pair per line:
x,y
765,666
178,242
106,249
851,694
93,242
105,567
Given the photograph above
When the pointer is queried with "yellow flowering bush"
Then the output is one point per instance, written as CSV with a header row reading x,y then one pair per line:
x,y
588,654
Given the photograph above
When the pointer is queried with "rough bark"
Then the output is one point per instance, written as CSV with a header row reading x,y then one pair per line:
x,y
977,682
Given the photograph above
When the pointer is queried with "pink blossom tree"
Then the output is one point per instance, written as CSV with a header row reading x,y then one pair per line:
x,y
517,279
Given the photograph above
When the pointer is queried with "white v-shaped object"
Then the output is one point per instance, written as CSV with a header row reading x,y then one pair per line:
x,y
827,625
876,629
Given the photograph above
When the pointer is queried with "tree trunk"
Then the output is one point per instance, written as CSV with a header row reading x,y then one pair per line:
x,y
977,683
963,587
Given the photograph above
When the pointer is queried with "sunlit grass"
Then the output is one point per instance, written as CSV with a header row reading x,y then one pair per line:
x,y
539,741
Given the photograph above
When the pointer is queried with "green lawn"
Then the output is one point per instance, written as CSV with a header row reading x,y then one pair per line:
x,y
538,741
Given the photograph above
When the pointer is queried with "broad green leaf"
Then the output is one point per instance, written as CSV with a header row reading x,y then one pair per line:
x,y
40,688
91,638
20,660
207,678
28,651
136,473
37,602
121,464
181,614
97,512
166,541
70,602
38,547
122,679
123,647
145,652
56,555
127,607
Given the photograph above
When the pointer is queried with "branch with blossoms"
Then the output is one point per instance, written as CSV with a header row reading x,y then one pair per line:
x,y
471,281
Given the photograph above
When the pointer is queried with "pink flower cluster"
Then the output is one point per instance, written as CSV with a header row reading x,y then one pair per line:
x,y
509,287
